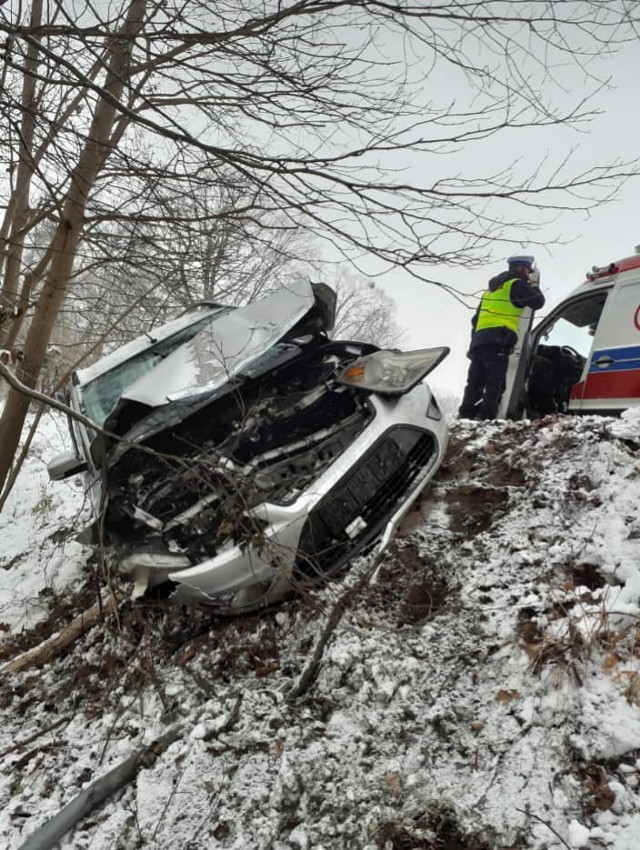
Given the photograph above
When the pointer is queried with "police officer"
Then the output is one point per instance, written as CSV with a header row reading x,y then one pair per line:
x,y
494,335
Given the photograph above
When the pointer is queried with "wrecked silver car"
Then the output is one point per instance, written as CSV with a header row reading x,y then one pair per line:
x,y
244,453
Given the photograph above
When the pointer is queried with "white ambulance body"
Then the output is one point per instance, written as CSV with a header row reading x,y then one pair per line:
x,y
584,357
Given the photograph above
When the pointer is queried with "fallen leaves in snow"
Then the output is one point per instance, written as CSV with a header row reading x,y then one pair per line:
x,y
481,692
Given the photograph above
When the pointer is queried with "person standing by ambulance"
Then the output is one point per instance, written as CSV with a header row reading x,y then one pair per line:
x,y
494,335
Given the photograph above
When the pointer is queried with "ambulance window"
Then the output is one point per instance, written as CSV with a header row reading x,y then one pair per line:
x,y
575,325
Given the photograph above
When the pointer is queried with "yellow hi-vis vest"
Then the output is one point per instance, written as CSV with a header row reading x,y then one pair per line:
x,y
497,311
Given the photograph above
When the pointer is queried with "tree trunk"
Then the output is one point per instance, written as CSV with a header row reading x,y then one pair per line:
x,y
22,303
17,214
66,238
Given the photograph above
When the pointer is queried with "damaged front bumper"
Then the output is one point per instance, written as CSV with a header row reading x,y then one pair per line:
x,y
362,495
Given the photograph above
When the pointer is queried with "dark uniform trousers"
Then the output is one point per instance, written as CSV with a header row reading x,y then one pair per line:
x,y
486,381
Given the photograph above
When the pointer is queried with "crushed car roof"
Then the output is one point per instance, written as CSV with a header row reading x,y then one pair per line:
x,y
223,347
141,343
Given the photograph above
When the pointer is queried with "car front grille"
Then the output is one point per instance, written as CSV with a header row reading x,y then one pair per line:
x,y
357,508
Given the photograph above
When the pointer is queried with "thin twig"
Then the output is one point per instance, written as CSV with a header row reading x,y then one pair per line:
x,y
547,824
21,744
19,461
310,672
168,802
49,401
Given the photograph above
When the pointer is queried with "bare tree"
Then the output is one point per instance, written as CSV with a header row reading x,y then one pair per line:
x,y
365,312
314,108
136,274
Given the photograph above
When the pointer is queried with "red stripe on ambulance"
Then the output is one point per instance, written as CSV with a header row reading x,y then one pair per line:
x,y
623,384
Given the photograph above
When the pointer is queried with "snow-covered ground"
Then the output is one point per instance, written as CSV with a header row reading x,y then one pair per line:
x,y
481,692
38,554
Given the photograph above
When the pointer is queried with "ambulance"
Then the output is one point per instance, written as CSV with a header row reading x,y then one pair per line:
x,y
584,357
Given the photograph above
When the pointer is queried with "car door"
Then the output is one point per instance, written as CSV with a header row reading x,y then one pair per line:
x,y
512,403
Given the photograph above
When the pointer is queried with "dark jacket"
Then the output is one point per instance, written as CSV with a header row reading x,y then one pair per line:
x,y
522,294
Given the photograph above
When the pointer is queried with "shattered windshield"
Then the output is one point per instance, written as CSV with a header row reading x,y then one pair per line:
x,y
101,395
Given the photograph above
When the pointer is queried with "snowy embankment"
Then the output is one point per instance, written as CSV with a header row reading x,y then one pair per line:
x,y
482,692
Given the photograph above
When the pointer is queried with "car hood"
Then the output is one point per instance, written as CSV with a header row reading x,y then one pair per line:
x,y
225,346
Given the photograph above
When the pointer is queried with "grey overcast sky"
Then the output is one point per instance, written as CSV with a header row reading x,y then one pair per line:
x,y
609,232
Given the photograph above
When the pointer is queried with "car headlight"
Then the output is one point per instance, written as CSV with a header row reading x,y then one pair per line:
x,y
392,372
